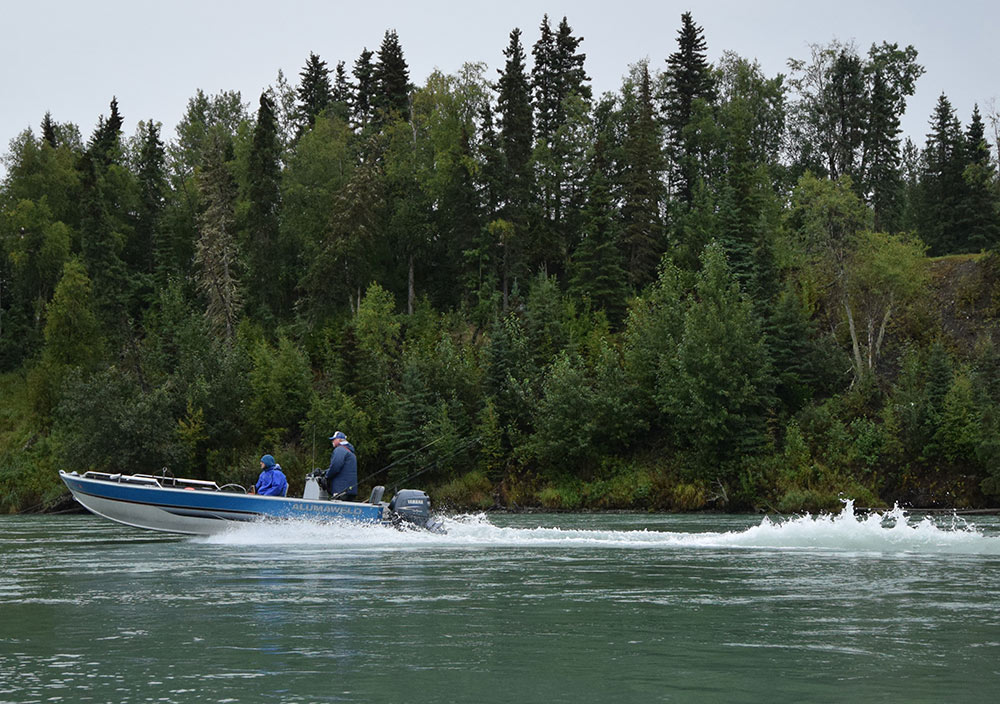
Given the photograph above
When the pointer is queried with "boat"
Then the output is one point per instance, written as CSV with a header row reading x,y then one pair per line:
x,y
198,507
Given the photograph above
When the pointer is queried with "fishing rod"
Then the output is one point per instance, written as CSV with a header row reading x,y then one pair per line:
x,y
397,461
434,463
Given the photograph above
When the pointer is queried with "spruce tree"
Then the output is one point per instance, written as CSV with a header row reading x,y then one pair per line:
x,y
718,386
544,82
516,129
362,106
392,80
557,73
216,257
641,187
515,139
341,95
799,369
689,79
942,189
562,107
459,220
845,97
100,244
978,218
490,155
890,75
597,270
266,266
569,63
314,92
146,251
105,144
938,375
49,130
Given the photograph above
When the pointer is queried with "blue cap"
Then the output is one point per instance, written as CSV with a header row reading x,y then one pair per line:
x,y
267,460
338,436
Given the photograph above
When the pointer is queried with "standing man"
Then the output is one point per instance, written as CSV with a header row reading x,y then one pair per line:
x,y
342,475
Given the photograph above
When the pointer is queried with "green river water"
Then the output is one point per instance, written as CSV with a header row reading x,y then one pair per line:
x,y
505,608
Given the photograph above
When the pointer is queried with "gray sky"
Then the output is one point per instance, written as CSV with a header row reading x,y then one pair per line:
x,y
71,57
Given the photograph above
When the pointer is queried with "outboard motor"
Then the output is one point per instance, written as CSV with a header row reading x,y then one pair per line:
x,y
316,486
414,506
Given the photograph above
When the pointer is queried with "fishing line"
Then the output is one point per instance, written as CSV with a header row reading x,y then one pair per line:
x,y
404,457
434,463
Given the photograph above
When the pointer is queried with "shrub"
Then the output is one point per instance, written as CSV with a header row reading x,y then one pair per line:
x,y
472,491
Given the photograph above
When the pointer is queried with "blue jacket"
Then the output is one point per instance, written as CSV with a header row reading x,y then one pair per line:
x,y
342,475
272,482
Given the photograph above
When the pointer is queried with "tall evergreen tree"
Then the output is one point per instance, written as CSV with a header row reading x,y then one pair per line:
x,y
544,82
569,61
597,270
516,128
490,155
105,144
146,251
718,387
689,79
49,130
846,120
641,186
267,266
845,93
750,117
363,104
341,94
979,212
392,80
942,189
891,75
314,92
342,263
561,100
515,137
216,256
100,244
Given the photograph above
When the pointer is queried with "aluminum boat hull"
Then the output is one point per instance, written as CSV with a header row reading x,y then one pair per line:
x,y
196,511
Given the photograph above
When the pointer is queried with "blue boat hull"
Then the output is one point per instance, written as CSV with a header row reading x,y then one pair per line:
x,y
144,503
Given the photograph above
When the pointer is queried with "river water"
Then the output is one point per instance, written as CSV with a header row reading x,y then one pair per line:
x,y
505,608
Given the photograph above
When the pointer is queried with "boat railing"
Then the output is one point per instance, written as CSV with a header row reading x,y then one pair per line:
x,y
164,482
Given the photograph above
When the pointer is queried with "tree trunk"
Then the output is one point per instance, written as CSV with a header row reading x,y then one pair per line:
x,y
505,305
410,293
858,363
881,331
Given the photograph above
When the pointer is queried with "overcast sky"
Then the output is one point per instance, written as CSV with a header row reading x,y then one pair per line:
x,y
71,57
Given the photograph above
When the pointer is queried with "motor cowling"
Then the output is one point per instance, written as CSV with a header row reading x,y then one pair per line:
x,y
412,506
315,486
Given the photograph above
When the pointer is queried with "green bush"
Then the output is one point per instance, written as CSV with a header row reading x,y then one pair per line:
x,y
688,497
472,491
563,497
799,500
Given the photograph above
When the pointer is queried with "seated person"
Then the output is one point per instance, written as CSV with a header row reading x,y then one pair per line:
x,y
272,481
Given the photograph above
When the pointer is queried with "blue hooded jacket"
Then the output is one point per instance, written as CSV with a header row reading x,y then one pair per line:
x,y
342,475
272,481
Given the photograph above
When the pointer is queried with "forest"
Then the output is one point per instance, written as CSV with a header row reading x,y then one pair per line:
x,y
709,289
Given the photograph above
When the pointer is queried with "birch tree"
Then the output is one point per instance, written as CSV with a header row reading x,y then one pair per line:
x,y
863,276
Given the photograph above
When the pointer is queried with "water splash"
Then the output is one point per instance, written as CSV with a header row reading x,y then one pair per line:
x,y
892,531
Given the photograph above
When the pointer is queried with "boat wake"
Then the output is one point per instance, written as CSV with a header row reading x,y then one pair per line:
x,y
892,531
